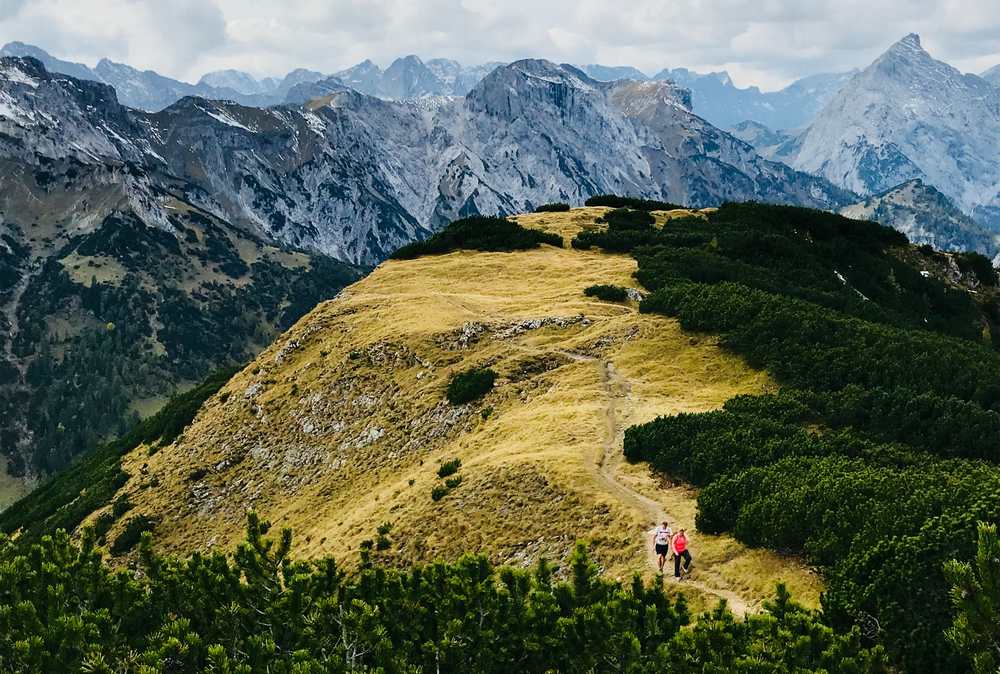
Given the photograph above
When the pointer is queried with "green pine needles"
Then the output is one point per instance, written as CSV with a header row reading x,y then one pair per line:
x,y
62,609
479,233
470,385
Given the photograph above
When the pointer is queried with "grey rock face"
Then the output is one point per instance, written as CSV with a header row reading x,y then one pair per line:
x,y
716,98
410,77
354,176
148,90
909,116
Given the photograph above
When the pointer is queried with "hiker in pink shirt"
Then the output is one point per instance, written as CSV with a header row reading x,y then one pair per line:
x,y
679,546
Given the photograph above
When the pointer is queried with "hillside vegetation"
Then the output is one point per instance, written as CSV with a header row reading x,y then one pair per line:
x,y
262,612
877,457
343,424
480,401
98,322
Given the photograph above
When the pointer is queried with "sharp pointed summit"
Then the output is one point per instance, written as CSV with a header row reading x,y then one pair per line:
x,y
906,116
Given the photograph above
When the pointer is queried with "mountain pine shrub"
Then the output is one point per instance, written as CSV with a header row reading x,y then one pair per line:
x,y
552,208
614,201
879,455
478,233
464,387
608,293
64,609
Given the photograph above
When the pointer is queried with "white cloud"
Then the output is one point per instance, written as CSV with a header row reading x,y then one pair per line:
x,y
768,42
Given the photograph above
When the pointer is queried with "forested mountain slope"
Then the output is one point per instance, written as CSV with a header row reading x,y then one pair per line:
x,y
117,284
463,398
879,452
344,424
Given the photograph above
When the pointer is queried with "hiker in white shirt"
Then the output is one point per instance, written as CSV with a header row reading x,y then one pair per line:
x,y
661,542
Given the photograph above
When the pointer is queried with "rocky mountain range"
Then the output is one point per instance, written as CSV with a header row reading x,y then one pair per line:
x,y
210,212
908,116
992,75
148,90
118,283
714,95
229,197
716,98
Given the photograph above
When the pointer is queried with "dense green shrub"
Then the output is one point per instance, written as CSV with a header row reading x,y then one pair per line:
x,y
449,467
467,386
976,595
131,534
979,265
552,208
626,219
64,609
614,201
608,293
438,492
478,233
852,463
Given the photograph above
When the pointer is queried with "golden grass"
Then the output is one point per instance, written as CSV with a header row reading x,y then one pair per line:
x,y
83,269
341,424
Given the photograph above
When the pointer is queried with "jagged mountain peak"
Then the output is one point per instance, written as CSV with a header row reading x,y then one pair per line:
x,y
909,115
907,52
408,60
992,75
22,69
909,43
509,91
52,64
237,80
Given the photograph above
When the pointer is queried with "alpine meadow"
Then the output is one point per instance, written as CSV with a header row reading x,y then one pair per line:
x,y
507,359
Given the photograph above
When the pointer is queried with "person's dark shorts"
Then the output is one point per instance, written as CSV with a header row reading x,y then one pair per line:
x,y
663,548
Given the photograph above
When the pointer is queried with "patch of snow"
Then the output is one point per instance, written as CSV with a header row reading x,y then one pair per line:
x,y
15,74
227,119
9,109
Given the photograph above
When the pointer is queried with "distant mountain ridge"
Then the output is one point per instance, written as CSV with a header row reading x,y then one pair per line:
x,y
926,216
714,95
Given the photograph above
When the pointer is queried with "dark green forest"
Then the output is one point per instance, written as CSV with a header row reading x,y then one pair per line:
x,y
62,608
478,233
91,349
878,455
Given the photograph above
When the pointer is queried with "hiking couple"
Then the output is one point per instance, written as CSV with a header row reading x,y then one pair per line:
x,y
666,543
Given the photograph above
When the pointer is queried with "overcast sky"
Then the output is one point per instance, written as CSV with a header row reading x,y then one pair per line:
x,y
763,42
